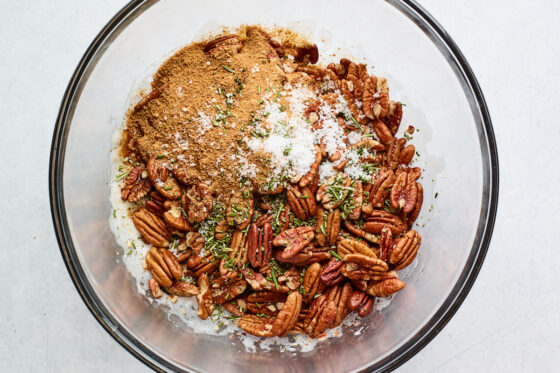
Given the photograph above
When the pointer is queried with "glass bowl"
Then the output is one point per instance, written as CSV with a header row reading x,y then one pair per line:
x,y
426,71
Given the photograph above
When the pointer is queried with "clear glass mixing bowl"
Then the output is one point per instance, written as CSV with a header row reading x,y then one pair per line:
x,y
426,71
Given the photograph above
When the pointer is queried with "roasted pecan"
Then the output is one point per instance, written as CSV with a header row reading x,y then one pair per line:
x,y
174,216
204,298
362,267
223,43
361,302
154,288
195,242
240,215
199,264
197,202
331,273
154,203
411,218
258,282
255,325
394,116
357,74
349,246
386,244
334,191
382,182
375,103
301,202
328,226
163,266
340,294
182,289
307,256
266,302
237,307
382,132
385,288
288,315
259,244
151,96
135,185
405,250
313,172
164,183
381,218
404,191
295,240
238,255
224,290
345,86
221,230
355,230
407,154
357,201
151,228
312,284
394,148
320,317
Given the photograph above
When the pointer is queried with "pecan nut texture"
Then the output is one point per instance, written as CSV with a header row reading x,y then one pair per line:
x,y
182,289
350,246
312,284
163,266
413,215
135,185
361,302
294,240
154,288
328,226
174,216
164,183
334,191
382,182
385,288
301,202
404,191
226,290
332,272
154,204
259,244
266,302
405,250
340,295
362,267
151,228
204,298
320,317
380,218
197,202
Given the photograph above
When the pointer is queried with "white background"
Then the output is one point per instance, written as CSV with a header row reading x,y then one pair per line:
x,y
509,321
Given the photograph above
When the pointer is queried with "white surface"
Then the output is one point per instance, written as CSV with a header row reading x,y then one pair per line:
x,y
509,321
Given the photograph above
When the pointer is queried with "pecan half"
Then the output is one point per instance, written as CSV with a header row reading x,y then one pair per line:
x,y
381,186
331,273
334,191
405,250
163,266
182,289
224,291
380,218
340,294
361,302
313,172
195,242
394,116
307,256
362,267
237,307
266,302
204,298
151,228
164,183
199,264
154,203
357,201
411,218
385,288
135,185
154,288
174,217
392,156
320,317
288,315
295,240
197,202
328,226
407,154
301,202
258,282
238,255
312,284
259,244
355,230
386,244
382,132
349,246
259,326
404,191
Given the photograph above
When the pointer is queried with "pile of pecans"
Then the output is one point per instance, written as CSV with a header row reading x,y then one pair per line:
x,y
301,257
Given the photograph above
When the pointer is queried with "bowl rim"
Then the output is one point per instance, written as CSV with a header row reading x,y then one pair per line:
x,y
426,333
